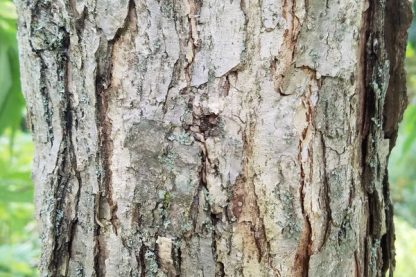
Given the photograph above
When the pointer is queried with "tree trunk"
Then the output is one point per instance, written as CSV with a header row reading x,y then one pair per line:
x,y
215,137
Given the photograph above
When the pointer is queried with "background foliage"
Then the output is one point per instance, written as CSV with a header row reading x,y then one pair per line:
x,y
19,246
11,100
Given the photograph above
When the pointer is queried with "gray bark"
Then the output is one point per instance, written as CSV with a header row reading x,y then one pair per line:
x,y
213,138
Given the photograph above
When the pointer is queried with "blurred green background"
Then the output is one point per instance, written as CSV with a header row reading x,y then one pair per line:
x,y
19,246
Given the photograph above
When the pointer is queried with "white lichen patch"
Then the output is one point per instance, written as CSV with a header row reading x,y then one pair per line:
x,y
221,28
331,51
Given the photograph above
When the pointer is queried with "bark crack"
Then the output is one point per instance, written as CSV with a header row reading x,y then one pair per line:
x,y
304,251
193,38
327,198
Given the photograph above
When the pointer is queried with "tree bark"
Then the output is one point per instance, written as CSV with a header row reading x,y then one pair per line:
x,y
215,137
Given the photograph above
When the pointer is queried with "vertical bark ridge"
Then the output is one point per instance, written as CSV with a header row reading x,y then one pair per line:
x,y
105,88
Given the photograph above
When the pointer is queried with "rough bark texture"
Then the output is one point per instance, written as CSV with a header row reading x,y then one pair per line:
x,y
214,137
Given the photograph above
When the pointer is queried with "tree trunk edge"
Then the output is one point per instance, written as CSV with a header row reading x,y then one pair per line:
x,y
386,39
